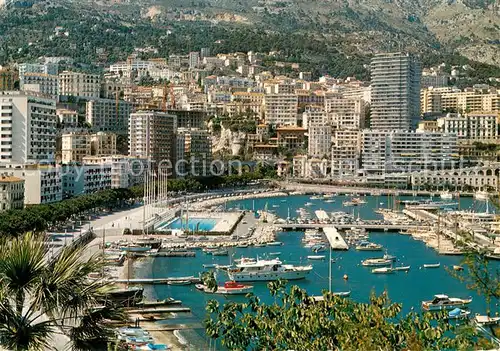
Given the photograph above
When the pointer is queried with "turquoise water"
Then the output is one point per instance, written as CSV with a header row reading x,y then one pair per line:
x,y
194,224
406,288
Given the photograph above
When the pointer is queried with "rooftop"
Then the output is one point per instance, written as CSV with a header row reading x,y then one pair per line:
x,y
10,179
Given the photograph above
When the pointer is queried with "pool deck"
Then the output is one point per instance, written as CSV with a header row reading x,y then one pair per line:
x,y
224,221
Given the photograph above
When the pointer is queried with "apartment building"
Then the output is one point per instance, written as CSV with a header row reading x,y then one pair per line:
x,y
11,192
395,96
152,135
108,115
42,183
343,113
193,152
75,146
28,127
47,68
79,84
126,171
437,100
320,140
281,109
103,144
471,126
291,138
85,179
67,118
314,115
7,79
346,152
40,82
407,151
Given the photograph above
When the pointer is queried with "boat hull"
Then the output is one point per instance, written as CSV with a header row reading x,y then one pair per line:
x,y
268,276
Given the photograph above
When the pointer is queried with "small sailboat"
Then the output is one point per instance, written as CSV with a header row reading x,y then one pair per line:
x,y
220,253
209,265
316,257
275,243
402,268
229,288
376,262
446,195
179,282
383,270
367,246
432,265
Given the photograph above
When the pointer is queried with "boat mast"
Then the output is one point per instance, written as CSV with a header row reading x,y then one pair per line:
x,y
439,231
103,249
330,269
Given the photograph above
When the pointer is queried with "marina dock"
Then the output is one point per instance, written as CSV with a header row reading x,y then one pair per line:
x,y
367,226
154,281
160,310
336,240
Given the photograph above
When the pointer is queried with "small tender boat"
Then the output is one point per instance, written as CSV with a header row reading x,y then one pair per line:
x,y
318,248
446,195
319,298
164,302
458,313
402,268
458,268
242,246
275,243
316,257
481,195
275,253
220,253
308,204
276,206
432,265
443,302
179,282
376,262
383,270
329,201
259,245
223,267
367,246
486,320
209,265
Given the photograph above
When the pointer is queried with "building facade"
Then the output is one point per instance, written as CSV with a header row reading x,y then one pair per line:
x,y
126,171
42,183
103,144
471,126
346,152
152,136
320,140
74,147
40,82
79,84
345,113
281,109
11,192
407,151
28,127
193,152
108,115
395,97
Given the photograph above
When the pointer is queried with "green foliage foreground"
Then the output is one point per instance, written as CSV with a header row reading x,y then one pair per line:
x,y
40,298
296,321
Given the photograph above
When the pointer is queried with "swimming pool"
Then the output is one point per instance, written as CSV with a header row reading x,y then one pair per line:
x,y
194,224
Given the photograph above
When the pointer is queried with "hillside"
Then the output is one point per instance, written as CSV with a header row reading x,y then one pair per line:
x,y
327,36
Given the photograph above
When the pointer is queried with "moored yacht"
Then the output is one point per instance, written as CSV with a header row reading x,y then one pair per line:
x,y
267,270
376,262
443,302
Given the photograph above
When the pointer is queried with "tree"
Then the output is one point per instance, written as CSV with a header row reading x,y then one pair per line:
x,y
39,296
298,321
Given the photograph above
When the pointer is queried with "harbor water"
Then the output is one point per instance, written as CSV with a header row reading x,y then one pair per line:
x,y
409,289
